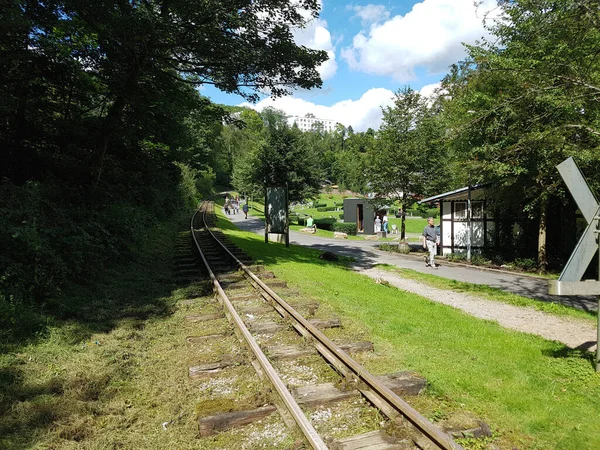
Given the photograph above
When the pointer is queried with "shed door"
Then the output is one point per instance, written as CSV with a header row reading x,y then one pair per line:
x,y
359,219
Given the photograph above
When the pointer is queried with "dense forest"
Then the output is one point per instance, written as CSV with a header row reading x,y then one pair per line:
x,y
103,131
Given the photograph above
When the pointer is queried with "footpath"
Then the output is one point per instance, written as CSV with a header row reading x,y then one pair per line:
x,y
574,333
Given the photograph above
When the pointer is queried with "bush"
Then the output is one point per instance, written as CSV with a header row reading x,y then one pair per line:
x,y
326,223
429,212
478,260
319,205
345,227
322,209
456,257
527,264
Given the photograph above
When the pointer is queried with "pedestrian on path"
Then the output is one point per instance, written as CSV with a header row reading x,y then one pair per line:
x,y
430,242
377,224
245,209
385,223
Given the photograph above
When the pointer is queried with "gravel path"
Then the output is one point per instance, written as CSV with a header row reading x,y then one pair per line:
x,y
572,332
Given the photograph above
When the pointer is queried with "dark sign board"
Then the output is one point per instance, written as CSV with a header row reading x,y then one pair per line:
x,y
276,211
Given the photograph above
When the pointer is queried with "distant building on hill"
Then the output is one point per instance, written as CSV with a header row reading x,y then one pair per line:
x,y
309,121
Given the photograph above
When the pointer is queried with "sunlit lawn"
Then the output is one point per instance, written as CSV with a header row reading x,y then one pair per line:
x,y
536,394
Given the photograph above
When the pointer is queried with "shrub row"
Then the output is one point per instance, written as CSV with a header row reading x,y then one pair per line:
x,y
326,208
326,223
345,227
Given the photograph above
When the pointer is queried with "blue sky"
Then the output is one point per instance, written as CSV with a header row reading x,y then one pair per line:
x,y
375,49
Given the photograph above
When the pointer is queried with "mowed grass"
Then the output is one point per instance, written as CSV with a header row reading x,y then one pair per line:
x,y
535,394
110,369
491,293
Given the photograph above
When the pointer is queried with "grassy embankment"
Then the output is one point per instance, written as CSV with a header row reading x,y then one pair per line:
x,y
491,293
110,368
536,394
113,370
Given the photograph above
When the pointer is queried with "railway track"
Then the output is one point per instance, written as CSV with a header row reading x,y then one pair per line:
x,y
303,373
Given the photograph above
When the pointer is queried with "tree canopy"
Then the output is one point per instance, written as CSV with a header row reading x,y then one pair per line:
x,y
102,127
526,99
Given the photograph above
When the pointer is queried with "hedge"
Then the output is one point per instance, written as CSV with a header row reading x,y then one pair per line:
x,y
345,227
326,223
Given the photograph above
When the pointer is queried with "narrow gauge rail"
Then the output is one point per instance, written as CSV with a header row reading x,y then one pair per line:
x,y
373,389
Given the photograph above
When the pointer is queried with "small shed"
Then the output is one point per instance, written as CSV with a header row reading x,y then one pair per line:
x,y
359,210
459,209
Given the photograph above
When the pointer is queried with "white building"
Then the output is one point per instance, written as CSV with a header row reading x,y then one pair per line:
x,y
306,123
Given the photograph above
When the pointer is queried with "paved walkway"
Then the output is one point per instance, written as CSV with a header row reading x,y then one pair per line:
x,y
366,256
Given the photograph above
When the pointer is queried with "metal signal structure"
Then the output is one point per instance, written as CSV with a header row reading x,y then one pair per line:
x,y
569,282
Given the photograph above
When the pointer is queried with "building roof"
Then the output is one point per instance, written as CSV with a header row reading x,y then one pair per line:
x,y
453,195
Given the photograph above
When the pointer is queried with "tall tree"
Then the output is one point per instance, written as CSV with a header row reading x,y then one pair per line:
x,y
121,53
284,158
408,154
526,100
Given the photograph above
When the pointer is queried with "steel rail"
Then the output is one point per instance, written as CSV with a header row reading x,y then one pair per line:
x,y
441,439
303,423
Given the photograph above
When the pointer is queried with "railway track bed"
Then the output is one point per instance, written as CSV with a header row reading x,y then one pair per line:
x,y
275,373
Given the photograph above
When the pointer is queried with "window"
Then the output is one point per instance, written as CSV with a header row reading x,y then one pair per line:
x,y
460,210
477,209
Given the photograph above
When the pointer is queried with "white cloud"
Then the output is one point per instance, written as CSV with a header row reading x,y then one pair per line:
x,y
316,36
371,14
429,36
361,114
429,90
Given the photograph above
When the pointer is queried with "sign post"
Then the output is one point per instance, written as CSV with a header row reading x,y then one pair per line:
x,y
276,215
569,282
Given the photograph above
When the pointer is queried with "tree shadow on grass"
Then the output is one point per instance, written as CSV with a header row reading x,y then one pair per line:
x,y
125,296
581,352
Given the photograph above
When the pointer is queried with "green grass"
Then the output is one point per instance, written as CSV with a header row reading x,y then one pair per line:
x,y
110,368
413,224
491,293
536,394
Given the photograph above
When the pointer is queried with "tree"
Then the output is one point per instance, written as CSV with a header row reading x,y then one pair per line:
x,y
120,52
407,155
527,100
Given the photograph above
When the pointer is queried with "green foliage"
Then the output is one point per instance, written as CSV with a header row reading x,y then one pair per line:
x,y
325,223
457,257
103,132
526,264
195,185
409,158
345,227
425,211
479,260
326,208
524,100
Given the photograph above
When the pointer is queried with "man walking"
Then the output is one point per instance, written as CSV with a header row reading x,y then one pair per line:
x,y
430,242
